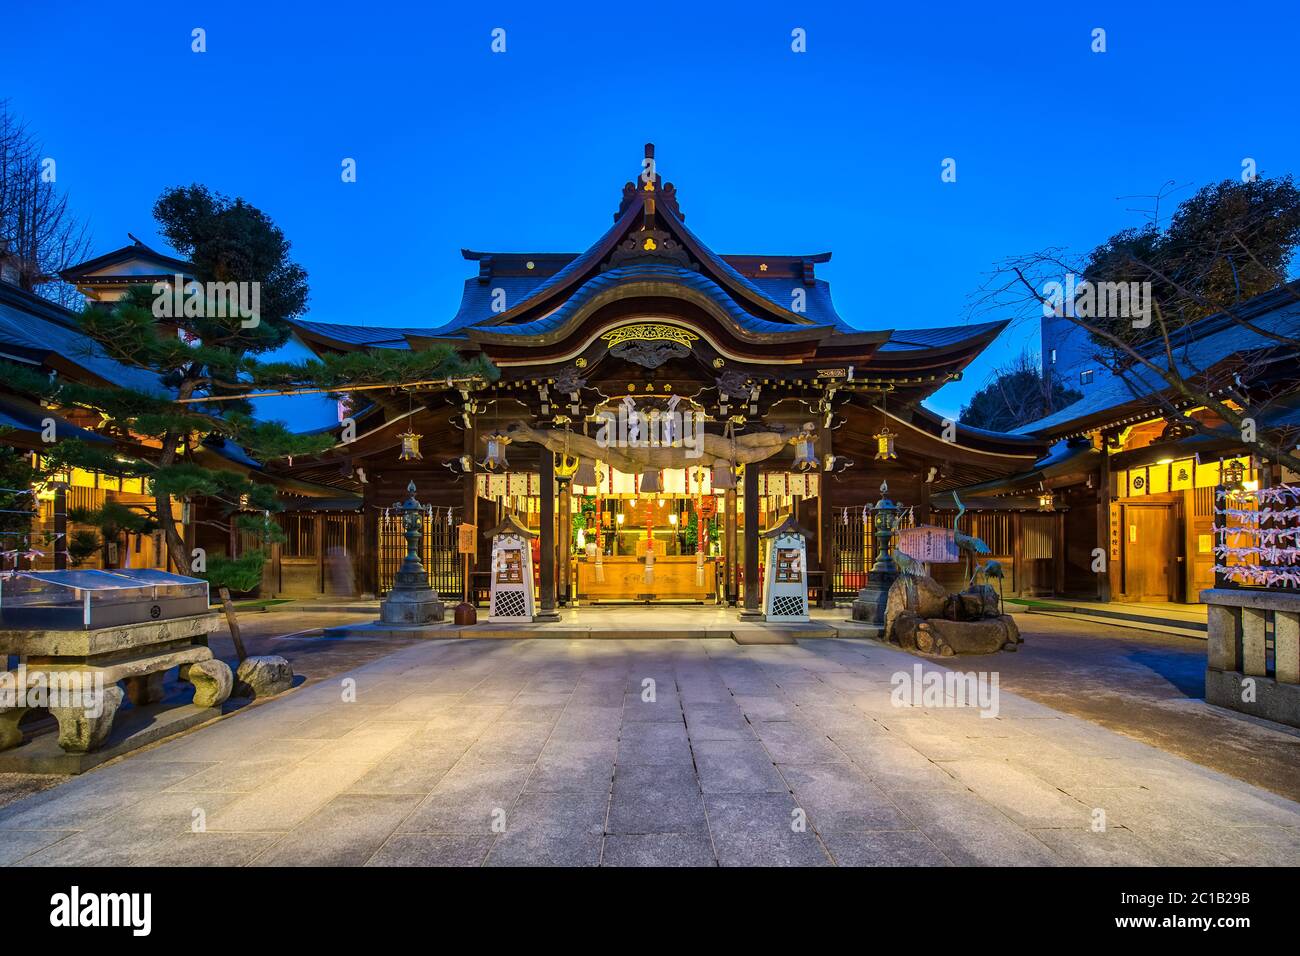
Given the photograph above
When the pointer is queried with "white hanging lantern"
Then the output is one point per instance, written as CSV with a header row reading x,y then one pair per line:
x,y
805,453
496,452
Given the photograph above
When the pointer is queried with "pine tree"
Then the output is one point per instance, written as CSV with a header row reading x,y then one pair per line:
x,y
207,355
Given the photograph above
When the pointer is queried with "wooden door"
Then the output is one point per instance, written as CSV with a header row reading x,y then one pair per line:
x,y
1148,561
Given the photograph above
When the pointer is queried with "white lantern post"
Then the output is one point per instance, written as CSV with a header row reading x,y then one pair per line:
x,y
511,597
785,590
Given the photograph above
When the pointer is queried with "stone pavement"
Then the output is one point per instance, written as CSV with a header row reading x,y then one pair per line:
x,y
545,752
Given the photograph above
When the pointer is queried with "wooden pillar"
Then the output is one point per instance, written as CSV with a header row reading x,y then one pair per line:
x,y
1019,579
922,507
729,549
751,538
469,504
320,553
1103,523
1058,556
368,552
562,534
825,522
547,470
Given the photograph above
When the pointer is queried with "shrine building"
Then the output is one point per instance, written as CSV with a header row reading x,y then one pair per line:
x,y
649,401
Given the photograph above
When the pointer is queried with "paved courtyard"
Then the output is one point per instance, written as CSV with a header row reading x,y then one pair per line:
x,y
549,752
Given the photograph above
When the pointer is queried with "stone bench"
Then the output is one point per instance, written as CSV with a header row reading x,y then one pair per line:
x,y
136,655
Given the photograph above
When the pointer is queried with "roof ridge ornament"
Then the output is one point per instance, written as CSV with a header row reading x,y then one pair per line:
x,y
651,190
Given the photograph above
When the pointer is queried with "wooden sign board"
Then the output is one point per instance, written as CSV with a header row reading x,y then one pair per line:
x,y
467,543
789,566
510,566
930,545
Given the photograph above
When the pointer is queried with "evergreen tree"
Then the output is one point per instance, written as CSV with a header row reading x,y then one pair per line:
x,y
207,355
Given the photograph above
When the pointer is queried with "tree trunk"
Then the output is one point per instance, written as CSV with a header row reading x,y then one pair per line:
x,y
175,543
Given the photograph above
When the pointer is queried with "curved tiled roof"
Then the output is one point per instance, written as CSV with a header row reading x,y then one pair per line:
x,y
902,340
370,337
677,275
39,327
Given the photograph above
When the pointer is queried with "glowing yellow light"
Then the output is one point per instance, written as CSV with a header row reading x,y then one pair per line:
x,y
410,447
885,445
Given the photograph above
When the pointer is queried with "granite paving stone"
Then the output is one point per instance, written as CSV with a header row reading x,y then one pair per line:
x,y
761,829
500,752
345,832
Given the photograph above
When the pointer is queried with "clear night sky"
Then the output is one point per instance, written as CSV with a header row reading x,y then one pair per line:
x,y
838,148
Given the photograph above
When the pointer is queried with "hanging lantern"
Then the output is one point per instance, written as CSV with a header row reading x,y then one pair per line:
x,y
1232,474
723,477
565,466
496,452
410,447
1046,502
805,454
650,481
585,474
885,445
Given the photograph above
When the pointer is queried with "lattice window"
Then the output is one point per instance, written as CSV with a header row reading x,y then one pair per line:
x,y
788,605
509,604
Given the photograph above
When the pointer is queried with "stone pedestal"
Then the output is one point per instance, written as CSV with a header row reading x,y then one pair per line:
x,y
411,601
869,606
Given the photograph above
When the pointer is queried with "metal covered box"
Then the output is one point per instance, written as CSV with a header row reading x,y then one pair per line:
x,y
86,600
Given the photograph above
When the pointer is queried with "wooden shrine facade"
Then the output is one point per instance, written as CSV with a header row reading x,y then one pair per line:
x,y
749,398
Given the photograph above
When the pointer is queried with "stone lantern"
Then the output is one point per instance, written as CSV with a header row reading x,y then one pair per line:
x,y
411,601
870,604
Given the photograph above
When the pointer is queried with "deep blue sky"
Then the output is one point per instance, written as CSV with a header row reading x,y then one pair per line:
x,y
838,148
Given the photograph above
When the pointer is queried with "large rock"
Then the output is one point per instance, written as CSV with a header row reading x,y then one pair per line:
x,y
212,682
987,597
939,637
263,677
918,594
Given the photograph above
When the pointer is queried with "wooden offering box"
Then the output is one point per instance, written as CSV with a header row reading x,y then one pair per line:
x,y
674,579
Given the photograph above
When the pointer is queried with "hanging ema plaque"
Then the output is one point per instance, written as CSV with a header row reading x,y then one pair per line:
x,y
929,545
